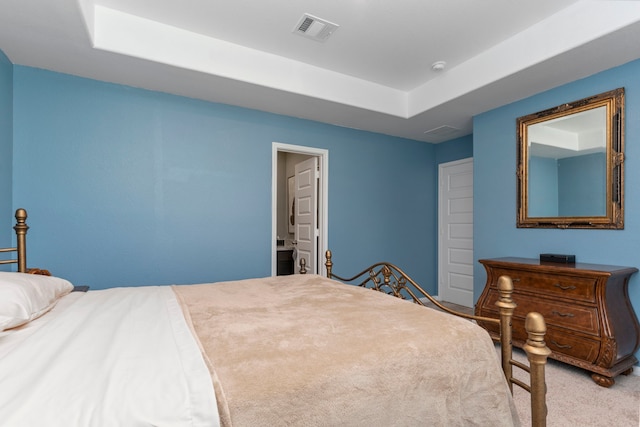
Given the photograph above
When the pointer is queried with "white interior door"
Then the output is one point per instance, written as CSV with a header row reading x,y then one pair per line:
x,y
306,213
322,201
455,236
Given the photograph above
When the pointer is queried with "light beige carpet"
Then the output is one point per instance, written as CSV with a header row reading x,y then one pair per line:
x,y
573,399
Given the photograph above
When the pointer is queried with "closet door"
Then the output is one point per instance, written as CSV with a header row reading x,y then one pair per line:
x,y
455,232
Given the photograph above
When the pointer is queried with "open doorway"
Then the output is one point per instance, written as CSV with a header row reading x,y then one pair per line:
x,y
293,239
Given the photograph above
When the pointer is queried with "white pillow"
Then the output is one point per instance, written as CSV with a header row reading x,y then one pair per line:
x,y
24,297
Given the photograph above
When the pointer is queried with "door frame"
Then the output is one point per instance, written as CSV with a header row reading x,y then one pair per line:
x,y
323,199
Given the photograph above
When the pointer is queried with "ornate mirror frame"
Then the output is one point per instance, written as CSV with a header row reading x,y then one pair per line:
x,y
613,218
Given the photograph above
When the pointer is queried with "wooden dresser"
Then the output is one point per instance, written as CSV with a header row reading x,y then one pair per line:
x,y
590,321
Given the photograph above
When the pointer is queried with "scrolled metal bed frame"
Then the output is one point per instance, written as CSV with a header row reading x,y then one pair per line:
x,y
388,278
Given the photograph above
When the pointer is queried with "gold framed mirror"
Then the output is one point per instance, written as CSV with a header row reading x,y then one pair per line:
x,y
570,165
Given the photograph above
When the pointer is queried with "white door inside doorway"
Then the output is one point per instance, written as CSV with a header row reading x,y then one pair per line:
x,y
455,232
280,215
306,214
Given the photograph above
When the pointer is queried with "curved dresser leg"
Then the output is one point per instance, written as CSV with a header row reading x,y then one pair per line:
x,y
602,380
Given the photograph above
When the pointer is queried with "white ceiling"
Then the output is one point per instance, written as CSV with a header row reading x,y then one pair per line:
x,y
373,73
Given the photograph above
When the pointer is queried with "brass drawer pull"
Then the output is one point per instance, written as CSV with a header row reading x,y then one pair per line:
x,y
563,346
557,313
564,287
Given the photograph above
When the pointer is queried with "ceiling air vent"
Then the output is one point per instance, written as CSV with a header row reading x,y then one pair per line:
x,y
441,133
314,28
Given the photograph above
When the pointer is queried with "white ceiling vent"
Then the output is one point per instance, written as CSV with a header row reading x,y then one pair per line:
x,y
314,28
441,133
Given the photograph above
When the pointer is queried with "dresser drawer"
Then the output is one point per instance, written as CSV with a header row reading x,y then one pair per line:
x,y
570,316
581,348
578,347
564,343
574,287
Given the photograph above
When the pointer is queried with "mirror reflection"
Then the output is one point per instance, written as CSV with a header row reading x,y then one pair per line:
x,y
570,161
567,165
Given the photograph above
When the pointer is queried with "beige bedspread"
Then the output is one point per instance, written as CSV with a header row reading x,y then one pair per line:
x,y
309,351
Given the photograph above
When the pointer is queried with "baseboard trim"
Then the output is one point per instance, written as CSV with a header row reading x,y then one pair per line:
x,y
636,371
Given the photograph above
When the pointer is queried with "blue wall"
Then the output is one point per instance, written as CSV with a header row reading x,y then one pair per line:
x,y
455,149
6,150
131,187
495,232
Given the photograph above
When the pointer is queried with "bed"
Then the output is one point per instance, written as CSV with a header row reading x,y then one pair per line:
x,y
300,350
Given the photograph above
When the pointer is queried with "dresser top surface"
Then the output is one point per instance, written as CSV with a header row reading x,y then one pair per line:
x,y
513,261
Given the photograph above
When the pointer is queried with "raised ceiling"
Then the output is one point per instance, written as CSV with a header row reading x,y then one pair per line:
x,y
373,73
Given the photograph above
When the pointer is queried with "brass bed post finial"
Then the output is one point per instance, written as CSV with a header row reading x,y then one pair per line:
x,y
537,353
506,306
328,263
21,228
303,266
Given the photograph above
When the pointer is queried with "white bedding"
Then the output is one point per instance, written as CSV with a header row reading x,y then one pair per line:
x,y
13,337
128,351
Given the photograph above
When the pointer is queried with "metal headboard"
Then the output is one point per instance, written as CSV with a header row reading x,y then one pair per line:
x,y
21,229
